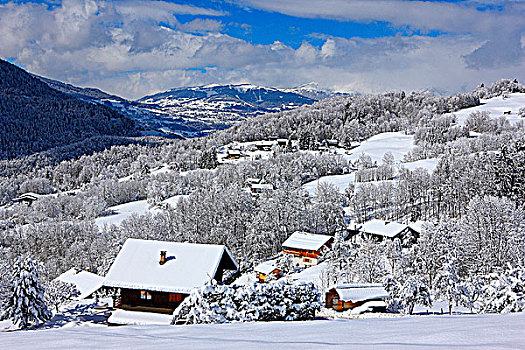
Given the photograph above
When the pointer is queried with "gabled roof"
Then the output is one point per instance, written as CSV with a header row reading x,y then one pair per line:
x,y
188,265
361,292
85,282
262,186
308,241
382,228
266,267
28,195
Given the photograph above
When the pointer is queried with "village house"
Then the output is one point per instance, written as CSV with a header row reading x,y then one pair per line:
x,y
380,229
156,276
234,154
261,188
27,198
305,248
359,297
282,142
265,269
264,145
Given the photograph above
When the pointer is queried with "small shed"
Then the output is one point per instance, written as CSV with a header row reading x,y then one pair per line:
x,y
84,281
265,269
306,247
350,296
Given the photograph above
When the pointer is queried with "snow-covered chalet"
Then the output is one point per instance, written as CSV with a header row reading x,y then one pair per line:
x,y
306,247
380,229
360,297
155,276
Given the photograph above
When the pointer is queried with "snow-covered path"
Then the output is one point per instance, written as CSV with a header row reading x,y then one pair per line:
x,y
432,332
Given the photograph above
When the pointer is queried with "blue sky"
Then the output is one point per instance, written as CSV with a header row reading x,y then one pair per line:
x,y
137,47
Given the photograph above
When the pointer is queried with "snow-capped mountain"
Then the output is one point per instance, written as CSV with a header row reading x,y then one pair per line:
x,y
213,107
200,110
313,91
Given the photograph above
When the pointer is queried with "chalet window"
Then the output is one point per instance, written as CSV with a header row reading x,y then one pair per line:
x,y
175,298
145,295
307,260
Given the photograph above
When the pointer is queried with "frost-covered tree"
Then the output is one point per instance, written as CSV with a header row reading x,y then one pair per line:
x,y
503,291
493,233
448,285
25,304
58,292
414,292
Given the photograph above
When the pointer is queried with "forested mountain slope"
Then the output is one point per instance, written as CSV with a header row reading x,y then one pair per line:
x,y
35,117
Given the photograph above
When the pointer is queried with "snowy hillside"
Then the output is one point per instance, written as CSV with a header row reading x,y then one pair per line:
x,y
502,106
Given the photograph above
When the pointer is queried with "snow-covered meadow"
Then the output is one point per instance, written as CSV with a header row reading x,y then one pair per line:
x,y
415,332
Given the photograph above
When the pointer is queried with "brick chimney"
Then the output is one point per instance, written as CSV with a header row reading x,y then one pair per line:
x,y
162,260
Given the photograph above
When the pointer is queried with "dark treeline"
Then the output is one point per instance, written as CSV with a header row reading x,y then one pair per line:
x,y
35,117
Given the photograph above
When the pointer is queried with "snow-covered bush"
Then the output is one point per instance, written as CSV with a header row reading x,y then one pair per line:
x,y
272,301
405,296
503,292
25,304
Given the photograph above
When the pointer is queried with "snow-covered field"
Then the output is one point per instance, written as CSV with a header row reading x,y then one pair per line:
x,y
429,332
397,143
496,106
342,181
124,211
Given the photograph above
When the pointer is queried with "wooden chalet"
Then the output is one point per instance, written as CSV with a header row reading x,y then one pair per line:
x,y
155,276
27,198
306,247
265,269
366,297
264,145
234,154
380,230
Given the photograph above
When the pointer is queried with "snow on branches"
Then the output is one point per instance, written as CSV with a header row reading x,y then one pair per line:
x,y
273,301
25,304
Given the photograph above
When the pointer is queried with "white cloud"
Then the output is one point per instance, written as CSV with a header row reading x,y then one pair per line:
x,y
121,47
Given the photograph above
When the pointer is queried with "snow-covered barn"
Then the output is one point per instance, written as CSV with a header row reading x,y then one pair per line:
x,y
365,296
380,229
306,247
155,276
265,269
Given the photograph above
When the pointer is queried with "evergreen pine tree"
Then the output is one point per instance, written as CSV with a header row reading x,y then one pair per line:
x,y
25,304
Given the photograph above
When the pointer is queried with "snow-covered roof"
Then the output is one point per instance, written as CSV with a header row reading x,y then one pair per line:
x,y
361,292
266,267
188,265
262,186
304,240
85,282
382,228
417,226
28,195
